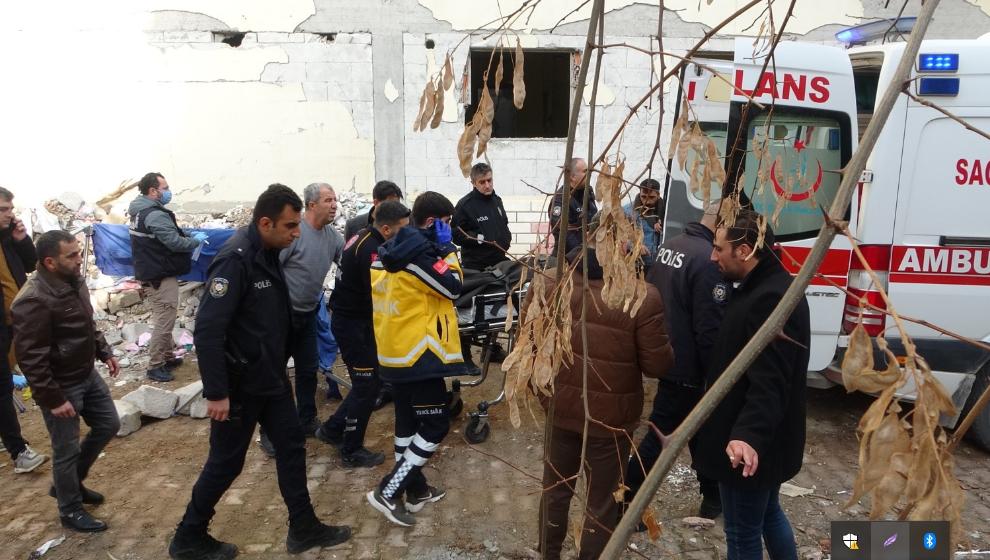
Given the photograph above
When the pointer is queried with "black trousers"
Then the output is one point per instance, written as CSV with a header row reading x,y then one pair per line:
x,y
10,428
671,406
421,423
356,340
229,442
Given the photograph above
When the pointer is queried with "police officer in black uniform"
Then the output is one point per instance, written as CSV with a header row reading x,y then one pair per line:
x,y
242,335
479,221
354,330
577,168
694,297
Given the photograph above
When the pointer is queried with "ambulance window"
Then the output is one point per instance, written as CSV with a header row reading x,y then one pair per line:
x,y
802,157
718,132
866,82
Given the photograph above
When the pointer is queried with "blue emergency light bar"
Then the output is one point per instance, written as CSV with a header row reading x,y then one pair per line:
x,y
935,62
874,30
938,86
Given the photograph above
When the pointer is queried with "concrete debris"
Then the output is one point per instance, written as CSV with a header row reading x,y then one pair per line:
x,y
123,300
698,522
794,491
153,401
191,402
130,417
132,331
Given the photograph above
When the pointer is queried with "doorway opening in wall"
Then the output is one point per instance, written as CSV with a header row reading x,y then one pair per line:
x,y
548,93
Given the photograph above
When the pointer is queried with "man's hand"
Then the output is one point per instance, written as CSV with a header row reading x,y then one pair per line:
x,y
742,452
218,410
19,232
111,363
201,237
658,227
64,411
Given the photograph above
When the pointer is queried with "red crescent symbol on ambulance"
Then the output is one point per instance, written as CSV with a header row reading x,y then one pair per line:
x,y
795,197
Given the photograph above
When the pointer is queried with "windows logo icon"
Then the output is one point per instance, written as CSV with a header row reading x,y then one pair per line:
x,y
851,541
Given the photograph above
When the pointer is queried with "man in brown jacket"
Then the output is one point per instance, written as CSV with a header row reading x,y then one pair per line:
x,y
621,350
57,343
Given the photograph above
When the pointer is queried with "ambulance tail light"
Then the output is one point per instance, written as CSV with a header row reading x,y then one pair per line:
x,y
861,287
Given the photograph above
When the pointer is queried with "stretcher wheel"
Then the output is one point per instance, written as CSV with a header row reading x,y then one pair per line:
x,y
455,408
477,430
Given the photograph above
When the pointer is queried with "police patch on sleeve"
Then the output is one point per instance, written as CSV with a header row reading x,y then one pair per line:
x,y
720,292
218,287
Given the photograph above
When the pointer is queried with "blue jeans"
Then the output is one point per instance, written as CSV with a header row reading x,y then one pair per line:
x,y
754,517
307,359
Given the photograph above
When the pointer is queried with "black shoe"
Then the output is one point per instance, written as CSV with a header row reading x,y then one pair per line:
x,y
393,509
311,533
173,363
160,374
310,426
470,368
83,522
498,353
328,437
266,445
710,509
362,457
199,545
384,397
432,495
89,497
333,391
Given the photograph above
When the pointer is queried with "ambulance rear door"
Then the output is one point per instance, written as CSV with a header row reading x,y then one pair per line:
x,y
808,126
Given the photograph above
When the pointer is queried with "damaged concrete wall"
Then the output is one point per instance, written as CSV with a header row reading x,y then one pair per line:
x,y
318,90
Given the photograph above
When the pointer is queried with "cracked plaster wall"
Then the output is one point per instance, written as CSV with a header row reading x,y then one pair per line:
x,y
108,94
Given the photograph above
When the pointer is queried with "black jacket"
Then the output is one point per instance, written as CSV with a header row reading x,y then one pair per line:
x,y
766,407
356,224
244,322
21,260
694,297
351,297
55,337
485,215
573,237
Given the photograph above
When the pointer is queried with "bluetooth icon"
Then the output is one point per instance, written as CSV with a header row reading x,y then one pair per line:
x,y
929,541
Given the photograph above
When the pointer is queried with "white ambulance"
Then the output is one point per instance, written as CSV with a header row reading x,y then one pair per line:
x,y
920,213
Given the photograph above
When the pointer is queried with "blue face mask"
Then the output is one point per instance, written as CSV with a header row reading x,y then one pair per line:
x,y
166,197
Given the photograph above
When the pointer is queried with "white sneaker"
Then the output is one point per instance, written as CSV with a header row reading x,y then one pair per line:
x,y
28,460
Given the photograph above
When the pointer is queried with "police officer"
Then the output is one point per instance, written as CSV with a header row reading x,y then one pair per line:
x,y
354,330
243,334
161,251
694,296
479,221
576,169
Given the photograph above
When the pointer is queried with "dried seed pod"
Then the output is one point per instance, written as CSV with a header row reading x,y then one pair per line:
x,y
499,73
419,114
465,146
448,73
486,110
429,107
518,78
438,110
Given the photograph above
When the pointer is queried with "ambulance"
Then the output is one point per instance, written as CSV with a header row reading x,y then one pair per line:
x,y
921,212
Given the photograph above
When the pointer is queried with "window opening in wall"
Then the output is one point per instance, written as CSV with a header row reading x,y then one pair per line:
x,y
548,93
233,39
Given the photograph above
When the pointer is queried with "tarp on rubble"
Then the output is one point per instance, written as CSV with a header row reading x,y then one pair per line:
x,y
112,249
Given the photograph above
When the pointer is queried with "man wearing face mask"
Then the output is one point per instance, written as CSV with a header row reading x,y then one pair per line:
x,y
161,252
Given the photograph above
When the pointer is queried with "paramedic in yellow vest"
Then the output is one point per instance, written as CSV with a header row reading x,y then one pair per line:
x,y
414,282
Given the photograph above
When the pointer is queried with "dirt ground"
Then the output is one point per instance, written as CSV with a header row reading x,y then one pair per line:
x,y
489,512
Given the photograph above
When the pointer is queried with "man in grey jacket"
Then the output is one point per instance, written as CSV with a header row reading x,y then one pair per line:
x,y
161,252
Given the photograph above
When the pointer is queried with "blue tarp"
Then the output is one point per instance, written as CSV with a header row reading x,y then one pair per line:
x,y
112,248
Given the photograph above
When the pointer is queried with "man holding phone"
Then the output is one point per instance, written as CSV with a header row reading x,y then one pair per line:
x,y
17,259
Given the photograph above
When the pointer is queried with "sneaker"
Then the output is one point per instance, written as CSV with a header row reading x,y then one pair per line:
x,y
710,509
362,458
498,353
172,363
333,391
89,497
28,460
266,445
310,426
160,374
82,522
393,509
328,437
311,533
432,495
193,545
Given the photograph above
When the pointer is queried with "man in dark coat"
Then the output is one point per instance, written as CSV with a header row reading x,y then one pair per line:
x,y
694,295
383,190
754,440
576,170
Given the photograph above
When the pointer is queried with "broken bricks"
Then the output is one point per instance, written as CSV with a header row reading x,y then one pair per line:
x,y
153,401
